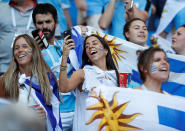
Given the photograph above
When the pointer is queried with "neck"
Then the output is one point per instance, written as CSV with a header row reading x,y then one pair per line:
x,y
153,85
24,5
25,70
182,52
51,41
101,65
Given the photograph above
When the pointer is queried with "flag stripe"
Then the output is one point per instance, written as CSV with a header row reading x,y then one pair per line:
x,y
174,88
176,65
171,117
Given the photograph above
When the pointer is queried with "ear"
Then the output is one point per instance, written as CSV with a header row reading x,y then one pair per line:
x,y
56,23
127,35
145,71
142,69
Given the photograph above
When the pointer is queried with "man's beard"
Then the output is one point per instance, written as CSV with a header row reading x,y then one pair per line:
x,y
50,35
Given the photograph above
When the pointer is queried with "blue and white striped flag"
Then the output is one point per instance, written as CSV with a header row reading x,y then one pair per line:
x,y
124,55
52,111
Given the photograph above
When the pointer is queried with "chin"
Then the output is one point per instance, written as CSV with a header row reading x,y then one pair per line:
x,y
164,79
141,43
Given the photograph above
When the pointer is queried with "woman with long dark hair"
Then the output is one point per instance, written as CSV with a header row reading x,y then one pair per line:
x,y
98,68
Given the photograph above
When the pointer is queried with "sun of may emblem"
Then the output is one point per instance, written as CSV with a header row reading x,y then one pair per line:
x,y
111,114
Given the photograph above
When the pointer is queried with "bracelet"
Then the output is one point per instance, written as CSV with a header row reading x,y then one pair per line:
x,y
63,68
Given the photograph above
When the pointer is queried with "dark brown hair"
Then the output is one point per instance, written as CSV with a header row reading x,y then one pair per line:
x,y
128,24
145,58
109,60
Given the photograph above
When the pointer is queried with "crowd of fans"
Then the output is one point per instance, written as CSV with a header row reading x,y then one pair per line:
x,y
40,72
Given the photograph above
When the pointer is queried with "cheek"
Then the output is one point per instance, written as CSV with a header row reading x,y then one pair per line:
x,y
154,67
28,51
101,51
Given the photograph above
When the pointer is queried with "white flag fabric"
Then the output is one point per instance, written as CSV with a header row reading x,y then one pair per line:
x,y
171,8
125,57
114,108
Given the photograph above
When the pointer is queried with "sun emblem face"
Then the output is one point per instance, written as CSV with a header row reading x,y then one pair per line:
x,y
116,53
111,114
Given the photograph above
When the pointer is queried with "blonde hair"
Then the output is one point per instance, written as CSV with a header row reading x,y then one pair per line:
x,y
39,68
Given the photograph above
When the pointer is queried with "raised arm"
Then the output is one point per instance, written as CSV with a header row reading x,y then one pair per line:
x,y
81,5
76,80
136,13
106,17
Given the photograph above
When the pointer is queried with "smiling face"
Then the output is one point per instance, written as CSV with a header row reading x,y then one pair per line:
x,y
95,50
22,52
137,33
178,41
46,23
158,68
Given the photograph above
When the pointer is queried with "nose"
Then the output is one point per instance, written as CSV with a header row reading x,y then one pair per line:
x,y
90,45
174,36
44,25
141,30
164,61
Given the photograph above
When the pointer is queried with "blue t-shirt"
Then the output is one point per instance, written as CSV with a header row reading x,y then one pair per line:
x,y
118,20
52,56
95,6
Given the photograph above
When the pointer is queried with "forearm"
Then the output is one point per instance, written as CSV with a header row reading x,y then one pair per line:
x,y
136,13
63,82
142,15
106,18
68,18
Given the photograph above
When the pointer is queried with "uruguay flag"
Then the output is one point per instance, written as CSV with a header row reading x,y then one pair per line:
x,y
125,57
114,108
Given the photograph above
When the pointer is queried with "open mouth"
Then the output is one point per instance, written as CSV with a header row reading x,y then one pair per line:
x,y
163,69
21,56
141,36
93,52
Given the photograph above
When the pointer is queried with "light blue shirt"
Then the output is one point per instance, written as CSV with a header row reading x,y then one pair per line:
x,y
56,51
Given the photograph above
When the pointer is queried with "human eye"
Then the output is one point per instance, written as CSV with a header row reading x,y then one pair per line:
x,y
39,22
95,42
48,21
178,33
16,47
157,59
136,28
86,46
145,28
25,46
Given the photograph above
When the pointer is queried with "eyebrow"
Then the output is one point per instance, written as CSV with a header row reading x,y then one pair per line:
x,y
94,40
139,26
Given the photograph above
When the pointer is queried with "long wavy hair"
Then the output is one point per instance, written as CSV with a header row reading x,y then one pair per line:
x,y
39,68
109,60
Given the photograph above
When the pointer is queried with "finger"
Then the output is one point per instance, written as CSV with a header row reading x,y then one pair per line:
x,y
41,111
71,46
70,41
37,38
66,37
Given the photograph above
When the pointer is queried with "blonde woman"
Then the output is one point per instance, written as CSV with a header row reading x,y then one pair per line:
x,y
30,81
